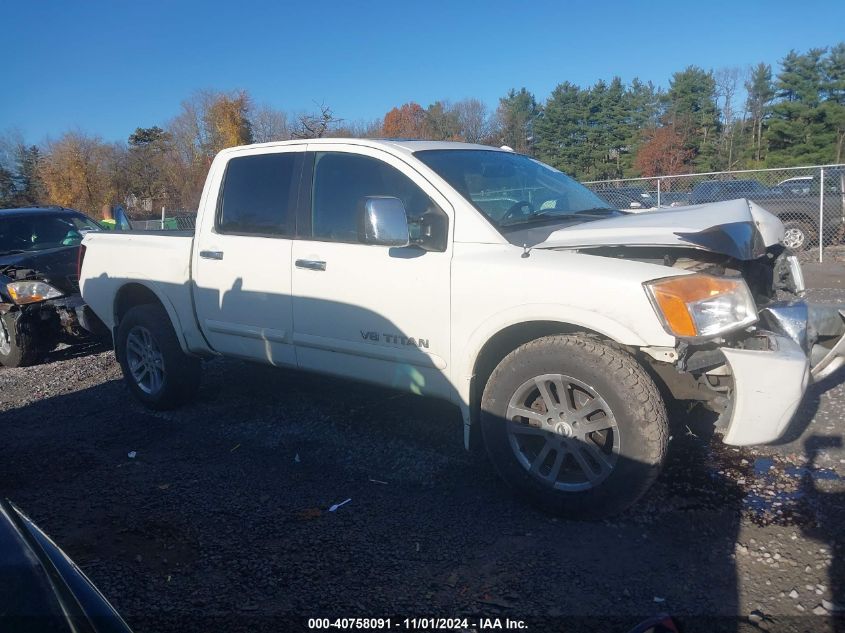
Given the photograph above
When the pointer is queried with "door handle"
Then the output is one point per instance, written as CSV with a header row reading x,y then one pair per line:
x,y
310,264
211,254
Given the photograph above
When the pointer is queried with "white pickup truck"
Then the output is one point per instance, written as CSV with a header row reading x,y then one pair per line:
x,y
557,326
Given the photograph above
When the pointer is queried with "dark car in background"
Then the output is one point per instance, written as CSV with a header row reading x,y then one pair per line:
x,y
41,589
796,203
634,199
40,304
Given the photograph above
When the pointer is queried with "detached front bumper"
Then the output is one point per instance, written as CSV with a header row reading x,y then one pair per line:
x,y
795,344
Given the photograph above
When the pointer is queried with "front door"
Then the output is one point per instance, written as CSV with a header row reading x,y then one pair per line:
x,y
242,260
370,312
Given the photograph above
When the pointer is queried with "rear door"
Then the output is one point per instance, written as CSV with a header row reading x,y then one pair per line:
x,y
241,266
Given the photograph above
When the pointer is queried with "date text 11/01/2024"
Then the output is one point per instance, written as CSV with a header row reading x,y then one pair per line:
x,y
418,624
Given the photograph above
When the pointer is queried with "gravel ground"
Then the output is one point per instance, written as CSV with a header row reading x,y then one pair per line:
x,y
220,520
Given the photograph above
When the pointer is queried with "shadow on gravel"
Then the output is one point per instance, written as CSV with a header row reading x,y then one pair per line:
x,y
829,524
809,407
77,350
221,519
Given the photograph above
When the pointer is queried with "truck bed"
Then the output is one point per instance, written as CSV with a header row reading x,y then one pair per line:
x,y
158,261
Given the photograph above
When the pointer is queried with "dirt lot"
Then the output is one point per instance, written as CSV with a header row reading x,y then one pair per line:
x,y
220,520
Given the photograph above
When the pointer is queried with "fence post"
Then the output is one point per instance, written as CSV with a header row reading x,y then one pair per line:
x,y
658,193
162,218
821,215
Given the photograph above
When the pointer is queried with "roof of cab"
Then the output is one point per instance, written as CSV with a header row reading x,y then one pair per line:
x,y
397,146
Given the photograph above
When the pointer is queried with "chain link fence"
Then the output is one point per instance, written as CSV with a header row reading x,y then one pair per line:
x,y
809,200
182,222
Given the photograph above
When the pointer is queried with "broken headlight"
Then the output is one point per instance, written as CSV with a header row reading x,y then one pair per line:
x,y
23,292
702,306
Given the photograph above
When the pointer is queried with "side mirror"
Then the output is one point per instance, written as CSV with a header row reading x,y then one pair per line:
x,y
384,222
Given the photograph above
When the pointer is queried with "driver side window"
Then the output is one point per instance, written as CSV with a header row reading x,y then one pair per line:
x,y
341,184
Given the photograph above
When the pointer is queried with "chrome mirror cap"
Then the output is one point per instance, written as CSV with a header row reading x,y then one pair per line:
x,y
384,222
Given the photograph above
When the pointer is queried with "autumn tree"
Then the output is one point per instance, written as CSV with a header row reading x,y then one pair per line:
x,y
406,121
82,172
227,122
208,122
665,152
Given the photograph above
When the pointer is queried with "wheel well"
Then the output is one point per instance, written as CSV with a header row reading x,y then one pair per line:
x,y
500,345
132,295
792,215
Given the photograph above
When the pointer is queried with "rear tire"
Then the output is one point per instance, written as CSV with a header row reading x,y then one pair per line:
x,y
599,444
18,345
799,234
155,368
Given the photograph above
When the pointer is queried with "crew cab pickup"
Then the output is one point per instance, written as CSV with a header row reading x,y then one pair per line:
x,y
485,278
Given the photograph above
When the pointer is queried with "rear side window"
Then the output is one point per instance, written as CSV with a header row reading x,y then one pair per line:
x,y
259,193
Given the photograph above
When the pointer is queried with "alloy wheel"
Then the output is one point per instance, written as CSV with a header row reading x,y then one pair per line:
x,y
145,360
563,432
794,238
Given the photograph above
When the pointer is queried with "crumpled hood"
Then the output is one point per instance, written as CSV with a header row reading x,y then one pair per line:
x,y
738,228
56,266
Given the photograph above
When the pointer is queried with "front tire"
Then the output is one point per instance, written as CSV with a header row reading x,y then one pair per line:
x,y
18,345
155,368
575,426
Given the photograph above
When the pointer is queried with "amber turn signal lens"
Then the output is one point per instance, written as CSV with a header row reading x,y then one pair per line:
x,y
702,305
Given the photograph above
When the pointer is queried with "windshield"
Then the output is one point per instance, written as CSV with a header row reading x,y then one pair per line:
x,y
512,189
40,231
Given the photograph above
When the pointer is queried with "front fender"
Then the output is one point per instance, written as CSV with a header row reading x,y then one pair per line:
x,y
539,312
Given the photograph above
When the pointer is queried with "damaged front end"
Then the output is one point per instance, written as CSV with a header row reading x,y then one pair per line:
x,y
36,314
756,377
747,343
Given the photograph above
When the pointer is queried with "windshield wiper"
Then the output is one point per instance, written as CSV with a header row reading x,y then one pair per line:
x,y
597,211
13,252
576,216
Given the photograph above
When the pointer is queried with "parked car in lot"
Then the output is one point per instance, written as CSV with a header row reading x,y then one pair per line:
x,y
40,304
633,199
795,203
41,589
481,277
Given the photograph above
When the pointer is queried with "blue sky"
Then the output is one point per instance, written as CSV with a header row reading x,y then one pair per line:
x,y
109,67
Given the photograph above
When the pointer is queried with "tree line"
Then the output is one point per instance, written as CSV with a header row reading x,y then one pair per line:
x,y
611,129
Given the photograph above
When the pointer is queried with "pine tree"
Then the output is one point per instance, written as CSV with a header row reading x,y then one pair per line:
x,y
833,89
691,108
760,91
797,133
516,116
